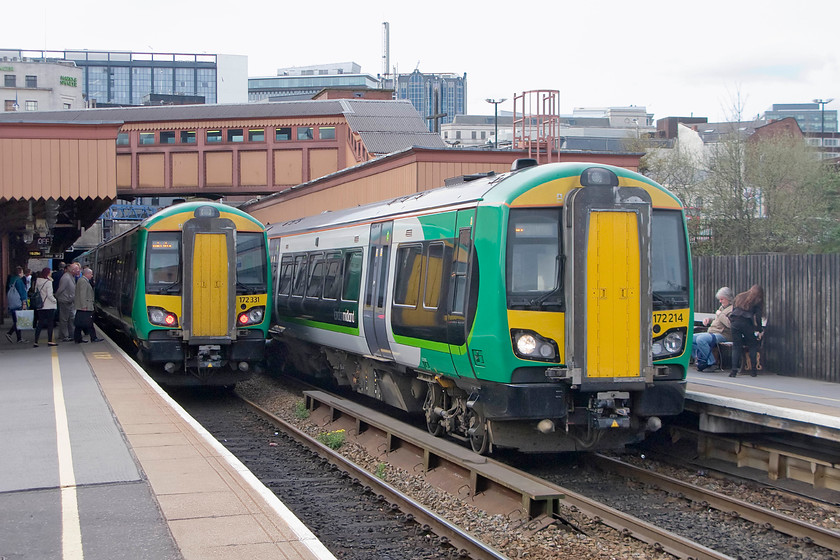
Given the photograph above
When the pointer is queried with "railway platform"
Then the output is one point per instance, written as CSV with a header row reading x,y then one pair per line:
x,y
99,463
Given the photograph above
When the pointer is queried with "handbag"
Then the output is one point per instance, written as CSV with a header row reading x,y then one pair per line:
x,y
25,319
13,298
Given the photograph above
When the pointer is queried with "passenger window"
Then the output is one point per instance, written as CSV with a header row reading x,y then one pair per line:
x,y
434,276
287,274
316,278
332,282
409,273
300,276
352,276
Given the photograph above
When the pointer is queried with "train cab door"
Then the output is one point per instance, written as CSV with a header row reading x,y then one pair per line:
x,y
609,323
457,324
209,279
376,290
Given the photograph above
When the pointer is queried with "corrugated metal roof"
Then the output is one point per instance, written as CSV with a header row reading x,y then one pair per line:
x,y
387,142
384,126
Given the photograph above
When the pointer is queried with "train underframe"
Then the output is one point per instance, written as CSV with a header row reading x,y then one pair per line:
x,y
541,417
210,362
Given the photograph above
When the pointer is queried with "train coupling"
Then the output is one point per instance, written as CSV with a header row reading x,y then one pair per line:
x,y
209,355
609,410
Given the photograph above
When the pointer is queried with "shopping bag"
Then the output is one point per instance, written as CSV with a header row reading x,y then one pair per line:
x,y
25,319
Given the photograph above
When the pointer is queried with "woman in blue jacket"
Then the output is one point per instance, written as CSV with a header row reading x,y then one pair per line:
x,y
16,304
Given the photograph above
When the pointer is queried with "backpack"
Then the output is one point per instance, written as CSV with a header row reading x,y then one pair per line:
x,y
35,299
13,298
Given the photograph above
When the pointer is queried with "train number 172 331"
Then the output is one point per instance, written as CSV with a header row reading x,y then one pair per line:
x,y
670,317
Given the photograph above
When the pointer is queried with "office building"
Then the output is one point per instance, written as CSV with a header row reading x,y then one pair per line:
x,y
37,85
120,78
811,117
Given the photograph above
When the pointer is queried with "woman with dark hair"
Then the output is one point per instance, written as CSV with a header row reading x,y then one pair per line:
x,y
747,311
18,303
46,314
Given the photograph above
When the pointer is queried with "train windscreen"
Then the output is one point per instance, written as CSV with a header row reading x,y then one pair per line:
x,y
533,259
163,262
250,263
669,266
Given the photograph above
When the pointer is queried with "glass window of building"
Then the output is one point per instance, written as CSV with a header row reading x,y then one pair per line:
x,y
284,133
167,136
31,105
9,105
141,84
122,139
66,105
164,80
121,85
235,135
10,80
97,83
304,133
185,81
147,138
32,81
256,135
206,78
326,133
214,136
188,137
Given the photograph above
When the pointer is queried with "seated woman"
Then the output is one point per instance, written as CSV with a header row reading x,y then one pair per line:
x,y
719,330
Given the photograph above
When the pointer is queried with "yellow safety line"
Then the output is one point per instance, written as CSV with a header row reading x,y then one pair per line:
x,y
71,531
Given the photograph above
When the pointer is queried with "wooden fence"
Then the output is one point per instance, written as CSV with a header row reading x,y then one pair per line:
x,y
802,307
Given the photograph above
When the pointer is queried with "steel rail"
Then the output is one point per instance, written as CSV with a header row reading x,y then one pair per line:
x,y
768,518
447,533
626,524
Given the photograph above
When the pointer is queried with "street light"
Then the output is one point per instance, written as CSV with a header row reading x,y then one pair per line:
x,y
496,119
822,103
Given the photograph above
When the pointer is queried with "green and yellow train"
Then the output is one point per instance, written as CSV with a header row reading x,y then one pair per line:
x,y
189,287
544,309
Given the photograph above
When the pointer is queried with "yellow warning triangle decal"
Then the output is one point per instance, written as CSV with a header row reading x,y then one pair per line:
x,y
614,424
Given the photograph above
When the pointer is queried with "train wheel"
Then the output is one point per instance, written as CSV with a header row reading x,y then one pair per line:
x,y
435,397
477,431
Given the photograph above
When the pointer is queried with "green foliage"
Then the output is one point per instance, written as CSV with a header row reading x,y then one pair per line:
x,y
334,439
380,470
301,411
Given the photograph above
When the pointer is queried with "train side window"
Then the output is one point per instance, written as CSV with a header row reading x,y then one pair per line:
x,y
459,271
287,274
300,276
274,254
316,277
434,275
352,276
332,281
409,273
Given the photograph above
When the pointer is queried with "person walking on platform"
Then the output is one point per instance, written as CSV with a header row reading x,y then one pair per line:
x,y
84,308
719,330
16,300
746,318
46,314
64,295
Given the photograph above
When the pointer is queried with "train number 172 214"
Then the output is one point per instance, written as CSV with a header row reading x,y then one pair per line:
x,y
669,317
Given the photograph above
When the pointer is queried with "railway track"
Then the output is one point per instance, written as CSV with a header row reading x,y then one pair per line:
x,y
389,439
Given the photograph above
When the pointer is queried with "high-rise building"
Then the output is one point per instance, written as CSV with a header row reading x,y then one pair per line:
x,y
120,78
438,97
811,117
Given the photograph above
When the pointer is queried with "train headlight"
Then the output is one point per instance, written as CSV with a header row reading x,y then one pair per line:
x,y
671,344
253,316
162,317
531,346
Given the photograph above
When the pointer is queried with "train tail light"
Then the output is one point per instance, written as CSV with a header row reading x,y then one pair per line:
x,y
253,316
162,317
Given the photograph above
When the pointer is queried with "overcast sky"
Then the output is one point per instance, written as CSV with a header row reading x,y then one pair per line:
x,y
674,58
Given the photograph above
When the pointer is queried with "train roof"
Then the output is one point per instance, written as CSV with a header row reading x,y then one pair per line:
x,y
493,188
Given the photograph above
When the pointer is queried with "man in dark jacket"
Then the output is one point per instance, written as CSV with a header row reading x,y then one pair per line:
x,y
83,301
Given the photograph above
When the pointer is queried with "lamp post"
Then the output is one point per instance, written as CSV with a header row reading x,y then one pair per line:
x,y
822,103
495,103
